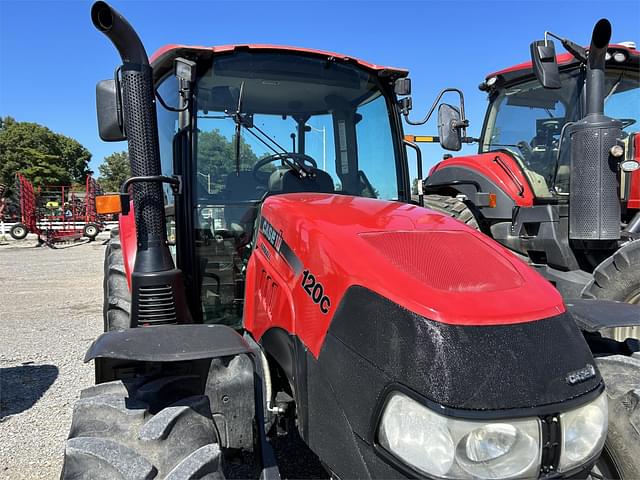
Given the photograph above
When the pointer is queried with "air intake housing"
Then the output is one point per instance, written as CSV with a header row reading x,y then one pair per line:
x,y
594,209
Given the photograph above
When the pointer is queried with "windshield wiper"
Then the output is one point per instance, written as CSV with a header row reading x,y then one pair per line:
x,y
614,87
244,120
237,117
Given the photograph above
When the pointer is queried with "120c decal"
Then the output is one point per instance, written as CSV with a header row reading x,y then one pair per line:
x,y
315,290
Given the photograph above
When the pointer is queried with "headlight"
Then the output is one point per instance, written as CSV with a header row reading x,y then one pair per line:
x,y
452,448
584,431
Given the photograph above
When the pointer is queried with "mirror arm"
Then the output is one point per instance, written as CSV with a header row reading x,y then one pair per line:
x,y
116,78
464,123
573,48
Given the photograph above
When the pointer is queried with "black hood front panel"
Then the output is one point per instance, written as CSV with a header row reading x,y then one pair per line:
x,y
516,366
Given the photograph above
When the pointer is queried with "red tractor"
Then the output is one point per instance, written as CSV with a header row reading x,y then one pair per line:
x,y
269,275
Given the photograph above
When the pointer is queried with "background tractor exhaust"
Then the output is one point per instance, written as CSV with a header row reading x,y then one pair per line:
x,y
594,212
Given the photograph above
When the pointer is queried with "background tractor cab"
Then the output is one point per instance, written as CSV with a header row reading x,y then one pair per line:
x,y
556,178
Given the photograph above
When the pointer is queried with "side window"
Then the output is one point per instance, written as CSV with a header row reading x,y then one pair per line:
x,y
624,101
167,129
376,157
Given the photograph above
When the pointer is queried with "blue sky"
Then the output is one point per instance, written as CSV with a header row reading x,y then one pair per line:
x,y
51,56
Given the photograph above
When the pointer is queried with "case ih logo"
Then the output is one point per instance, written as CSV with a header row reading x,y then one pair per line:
x,y
270,233
581,375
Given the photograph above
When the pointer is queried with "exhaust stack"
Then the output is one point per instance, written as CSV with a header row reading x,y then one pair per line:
x,y
595,67
157,289
594,208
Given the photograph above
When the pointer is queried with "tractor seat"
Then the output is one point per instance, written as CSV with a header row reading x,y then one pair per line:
x,y
285,180
242,187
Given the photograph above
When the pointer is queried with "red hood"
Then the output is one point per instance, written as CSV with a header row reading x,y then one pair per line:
x,y
422,260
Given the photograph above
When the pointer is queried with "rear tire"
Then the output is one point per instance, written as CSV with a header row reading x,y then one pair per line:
x,y
18,231
622,449
452,207
91,231
147,428
117,298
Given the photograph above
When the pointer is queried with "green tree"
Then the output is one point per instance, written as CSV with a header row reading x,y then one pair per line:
x,y
45,157
216,158
114,170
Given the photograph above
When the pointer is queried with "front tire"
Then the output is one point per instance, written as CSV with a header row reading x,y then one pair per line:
x,y
617,278
452,207
19,231
144,428
117,298
622,448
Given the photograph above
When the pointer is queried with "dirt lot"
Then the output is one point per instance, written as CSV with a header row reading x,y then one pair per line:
x,y
50,312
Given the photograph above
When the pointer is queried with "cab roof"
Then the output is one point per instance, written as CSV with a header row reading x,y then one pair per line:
x,y
165,55
566,59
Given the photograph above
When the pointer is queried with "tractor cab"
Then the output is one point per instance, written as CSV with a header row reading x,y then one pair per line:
x,y
528,120
249,122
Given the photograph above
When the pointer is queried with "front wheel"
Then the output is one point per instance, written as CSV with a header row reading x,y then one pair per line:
x,y
617,278
452,207
143,428
117,298
621,455
19,231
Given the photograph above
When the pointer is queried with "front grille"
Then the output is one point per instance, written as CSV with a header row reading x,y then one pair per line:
x,y
156,305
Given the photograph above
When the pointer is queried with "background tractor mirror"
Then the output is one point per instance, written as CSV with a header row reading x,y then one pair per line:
x,y
109,109
449,127
543,61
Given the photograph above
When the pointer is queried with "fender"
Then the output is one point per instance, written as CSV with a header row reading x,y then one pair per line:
x,y
497,168
166,343
596,315
504,203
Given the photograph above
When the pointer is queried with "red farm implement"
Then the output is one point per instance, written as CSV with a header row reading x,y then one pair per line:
x,y
57,213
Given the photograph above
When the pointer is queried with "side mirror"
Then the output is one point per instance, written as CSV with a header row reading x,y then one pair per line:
x,y
543,62
449,127
109,109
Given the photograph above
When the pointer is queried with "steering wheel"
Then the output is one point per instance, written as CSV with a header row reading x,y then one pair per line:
x,y
526,150
296,161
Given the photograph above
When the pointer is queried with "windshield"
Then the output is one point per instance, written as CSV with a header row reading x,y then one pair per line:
x,y
306,124
527,120
332,112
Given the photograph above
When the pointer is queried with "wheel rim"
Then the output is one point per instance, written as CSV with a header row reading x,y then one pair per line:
x,y
91,231
634,298
18,231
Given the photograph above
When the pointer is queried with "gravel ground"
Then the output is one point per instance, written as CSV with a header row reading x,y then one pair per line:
x,y
50,312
